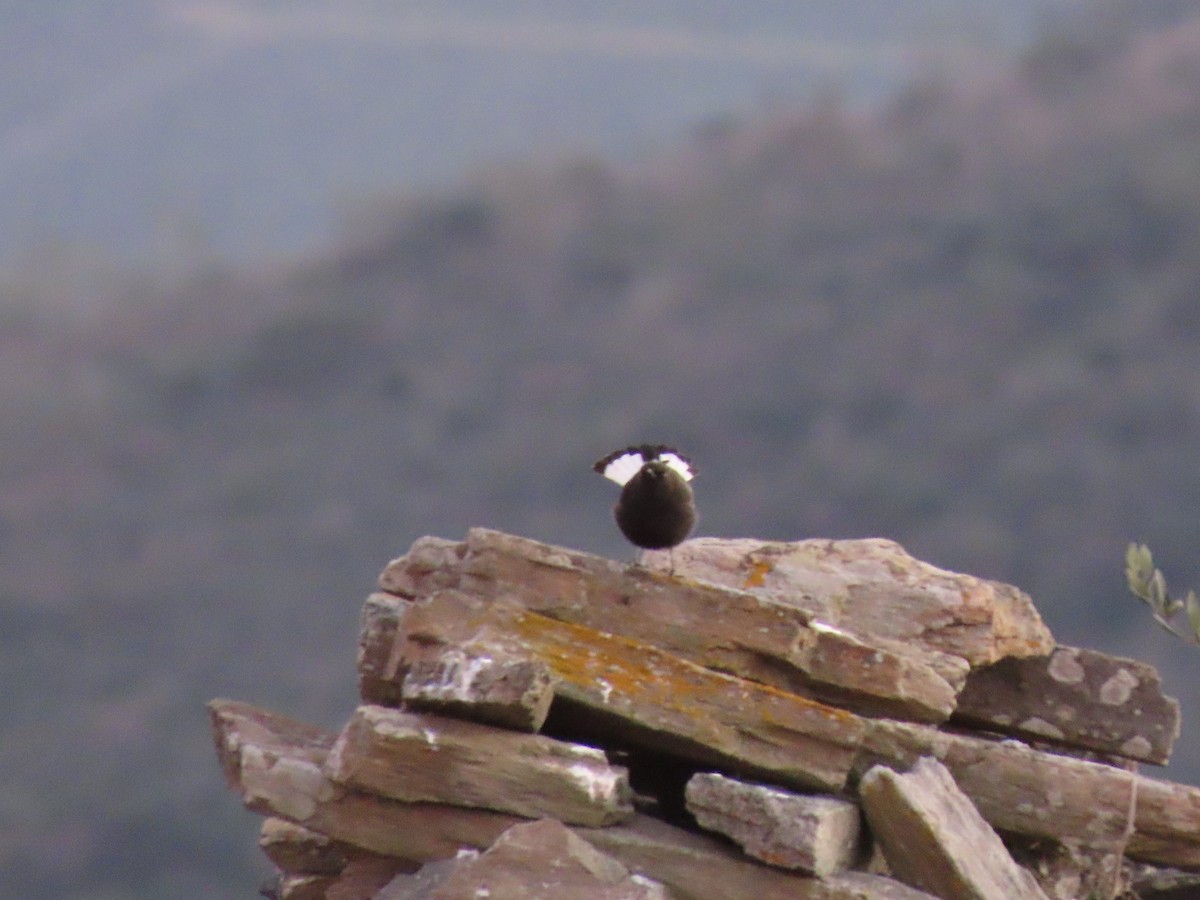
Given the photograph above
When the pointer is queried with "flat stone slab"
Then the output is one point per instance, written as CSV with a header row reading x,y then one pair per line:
x,y
933,837
1078,697
701,867
1020,789
540,860
277,766
873,587
760,638
428,758
811,833
625,689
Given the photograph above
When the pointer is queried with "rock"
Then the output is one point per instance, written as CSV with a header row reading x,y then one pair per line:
x,y
380,618
301,887
1078,697
700,867
539,860
276,765
1067,872
873,588
1150,883
734,631
816,834
360,879
422,757
296,850
513,692
933,837
1046,795
624,689
781,667
432,563
1165,823
363,879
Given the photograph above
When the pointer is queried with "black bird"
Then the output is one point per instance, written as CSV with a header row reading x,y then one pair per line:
x,y
656,510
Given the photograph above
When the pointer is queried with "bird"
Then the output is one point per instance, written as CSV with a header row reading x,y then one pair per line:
x,y
656,509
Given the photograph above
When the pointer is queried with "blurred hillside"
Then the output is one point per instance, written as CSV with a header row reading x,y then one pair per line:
x,y
170,128
967,321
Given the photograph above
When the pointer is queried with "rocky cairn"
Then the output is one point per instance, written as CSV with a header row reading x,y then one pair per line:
x,y
817,719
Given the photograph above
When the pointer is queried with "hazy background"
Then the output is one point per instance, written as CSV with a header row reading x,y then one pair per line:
x,y
285,285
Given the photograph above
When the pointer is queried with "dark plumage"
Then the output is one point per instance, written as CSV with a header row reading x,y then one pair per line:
x,y
656,510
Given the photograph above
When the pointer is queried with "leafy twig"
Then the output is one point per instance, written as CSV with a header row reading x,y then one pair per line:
x,y
1148,585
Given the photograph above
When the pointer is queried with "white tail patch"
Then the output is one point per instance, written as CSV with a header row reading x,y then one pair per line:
x,y
622,468
678,463
623,465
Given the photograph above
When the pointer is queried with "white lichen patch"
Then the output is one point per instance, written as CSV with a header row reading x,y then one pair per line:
x,y
1036,725
1065,668
454,678
387,723
825,628
335,762
390,725
600,784
290,787
1037,812
1054,796
606,689
1116,691
1066,713
580,751
1137,747
557,560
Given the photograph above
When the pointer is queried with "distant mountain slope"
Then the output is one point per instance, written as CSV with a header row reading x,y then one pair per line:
x,y
166,127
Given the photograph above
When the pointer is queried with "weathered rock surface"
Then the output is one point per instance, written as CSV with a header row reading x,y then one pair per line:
x,y
508,690
1078,697
376,634
698,866
484,663
428,758
816,834
299,851
276,765
758,637
873,587
540,860
298,887
935,839
1149,883
1067,871
1048,795
363,878
628,689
